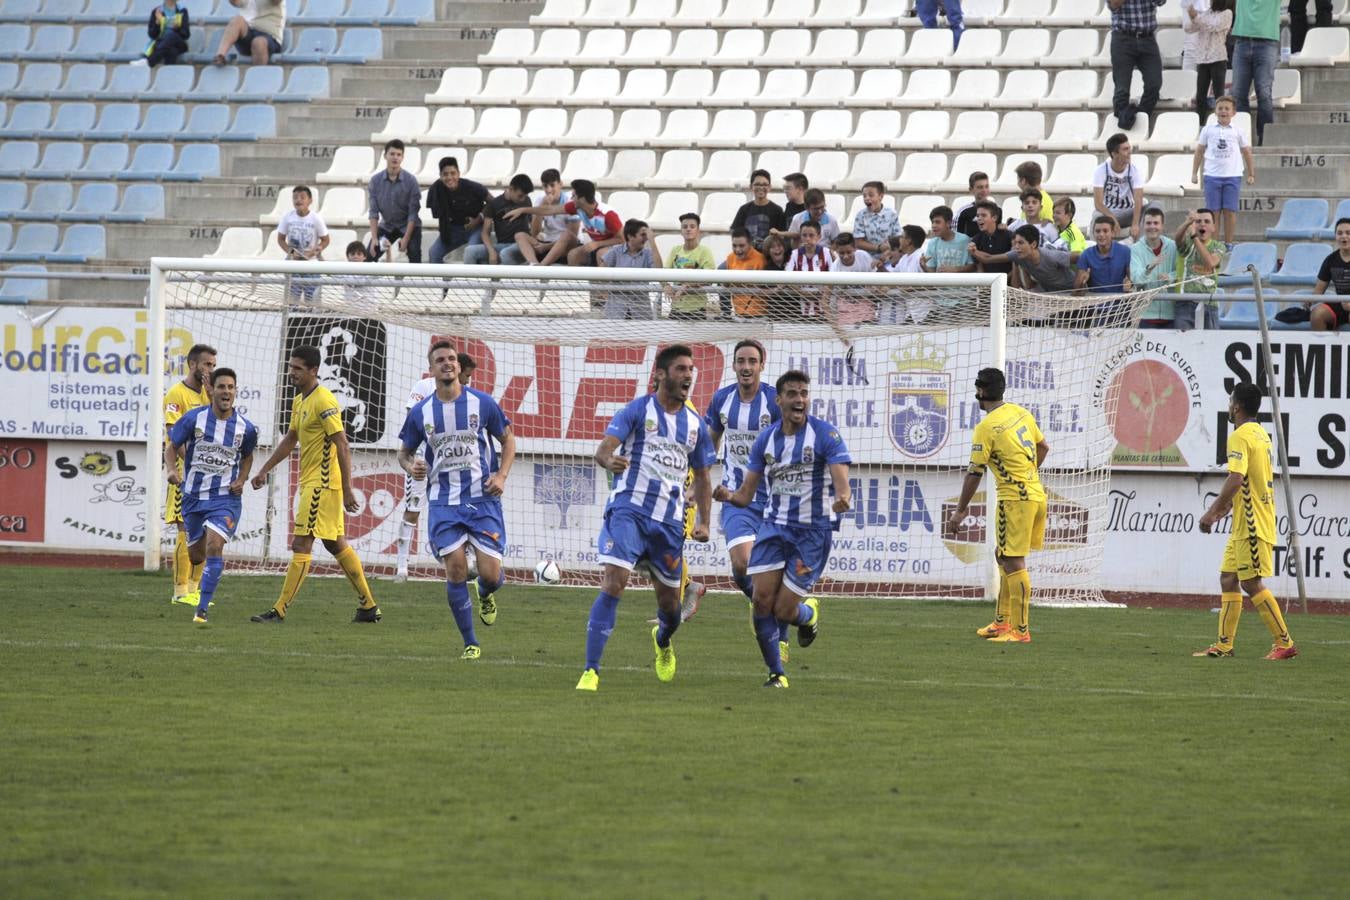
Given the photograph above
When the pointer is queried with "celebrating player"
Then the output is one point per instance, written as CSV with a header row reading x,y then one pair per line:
x,y
464,483
215,444
415,489
661,440
1008,441
1248,557
316,425
793,457
187,394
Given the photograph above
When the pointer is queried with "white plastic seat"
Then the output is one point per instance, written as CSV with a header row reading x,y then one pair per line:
x,y
876,128
602,47
694,47
628,167
829,87
836,205
827,169
972,129
496,124
493,165
780,162
683,127
407,123
606,12
836,47
457,83
915,209
430,170
349,165
921,171
1072,12
1324,47
958,177
689,87
1071,130
503,85
787,47
651,14
692,13
827,128
1177,86
1012,209
1071,173
1017,130
560,12
1007,179
544,124
735,85
283,205
556,47
598,86
925,129
927,87
790,12
591,164
779,128
634,128
743,14
511,45
726,169
648,46
549,86
929,47
669,206
741,47
1073,48
1173,132
1137,135
719,209
782,83
979,47
534,160
1170,43
1025,12
1024,47
449,125
869,165
974,88
730,128
1021,89
344,206
634,204
1169,15
1171,176
239,243
1075,89
883,47
643,86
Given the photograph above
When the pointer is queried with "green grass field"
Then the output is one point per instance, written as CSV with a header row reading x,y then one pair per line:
x,y
145,757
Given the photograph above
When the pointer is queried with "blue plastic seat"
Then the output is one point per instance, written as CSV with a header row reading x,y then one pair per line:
x,y
360,45
9,77
6,235
20,9
1342,212
73,121
13,195
115,122
1257,253
366,12
104,11
171,83
207,123
201,46
27,119
14,38
1301,264
163,122
312,45
83,80
59,11
306,83
220,11
322,12
261,83
59,160
140,203
151,163
251,123
18,158
33,242
105,161
127,83
133,44
49,200
51,42
95,43
411,12
139,13
197,161
215,83
1301,218
81,243
40,81
93,203
18,290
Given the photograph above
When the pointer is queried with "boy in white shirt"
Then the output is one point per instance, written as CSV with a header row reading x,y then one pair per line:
x,y
812,255
301,233
1224,150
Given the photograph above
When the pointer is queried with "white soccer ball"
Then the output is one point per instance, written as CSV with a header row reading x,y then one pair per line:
x,y
547,572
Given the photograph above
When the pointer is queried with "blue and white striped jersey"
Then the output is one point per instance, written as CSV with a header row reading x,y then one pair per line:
x,y
459,451
796,468
661,448
739,423
212,450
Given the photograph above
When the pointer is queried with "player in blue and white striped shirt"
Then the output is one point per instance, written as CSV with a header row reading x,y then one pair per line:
x,y
650,446
804,463
217,445
453,430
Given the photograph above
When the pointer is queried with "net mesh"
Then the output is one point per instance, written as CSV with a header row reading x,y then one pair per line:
x,y
892,361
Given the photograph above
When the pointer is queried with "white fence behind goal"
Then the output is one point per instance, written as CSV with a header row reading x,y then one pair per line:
x,y
892,360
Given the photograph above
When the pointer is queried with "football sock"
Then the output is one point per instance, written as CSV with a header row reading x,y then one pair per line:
x,y
669,622
457,593
746,585
804,614
195,579
604,613
211,570
1019,598
784,630
766,633
486,587
295,576
405,536
1003,608
1230,611
351,567
182,566
1269,608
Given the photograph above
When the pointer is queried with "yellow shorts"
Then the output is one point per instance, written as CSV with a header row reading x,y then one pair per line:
x,y
1020,527
318,512
173,505
1248,559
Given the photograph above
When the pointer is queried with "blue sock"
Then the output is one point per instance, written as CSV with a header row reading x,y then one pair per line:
x,y
604,612
783,630
210,578
670,623
486,587
457,592
804,615
745,584
766,632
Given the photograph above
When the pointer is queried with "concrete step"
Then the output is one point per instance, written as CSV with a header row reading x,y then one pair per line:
x,y
517,12
405,85
1309,168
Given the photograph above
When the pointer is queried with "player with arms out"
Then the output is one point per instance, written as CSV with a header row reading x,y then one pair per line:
x,y
1249,491
464,482
650,446
316,425
187,394
1008,441
215,445
804,465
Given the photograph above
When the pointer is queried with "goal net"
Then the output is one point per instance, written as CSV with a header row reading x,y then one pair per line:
x,y
892,361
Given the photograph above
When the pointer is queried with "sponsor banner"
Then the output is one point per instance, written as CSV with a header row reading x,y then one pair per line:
x,y
23,485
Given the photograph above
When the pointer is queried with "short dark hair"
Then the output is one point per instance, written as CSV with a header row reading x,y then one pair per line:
x,y
740,233
394,144
583,189
523,183
466,363
1030,193
915,234
844,239
197,350
814,196
1105,220
691,215
224,372
447,161
977,176
666,358
441,344
809,223
1029,233
761,173
632,227
303,189
1208,212
1153,211
550,176
1114,141
940,212
1248,397
1030,172
791,376
310,356
357,247
992,381
750,342
797,179
1343,220
875,185
990,207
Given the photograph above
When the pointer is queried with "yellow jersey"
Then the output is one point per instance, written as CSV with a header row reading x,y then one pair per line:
x,y
316,417
1254,505
1005,441
180,399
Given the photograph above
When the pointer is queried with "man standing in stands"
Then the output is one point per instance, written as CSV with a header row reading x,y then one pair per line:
x,y
927,11
761,215
1256,53
1134,45
395,199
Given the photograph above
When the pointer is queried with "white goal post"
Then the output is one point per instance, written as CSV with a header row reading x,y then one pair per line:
x,y
892,360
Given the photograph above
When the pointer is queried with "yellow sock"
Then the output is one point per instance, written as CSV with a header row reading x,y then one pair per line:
x,y
1003,610
196,576
351,567
1230,611
1269,608
1019,598
182,566
295,576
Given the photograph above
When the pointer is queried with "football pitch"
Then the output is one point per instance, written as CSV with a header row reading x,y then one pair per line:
x,y
317,758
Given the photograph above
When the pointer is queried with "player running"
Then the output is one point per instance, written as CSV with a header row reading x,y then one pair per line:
x,y
187,394
804,465
650,446
316,425
1008,441
464,483
215,445
1249,555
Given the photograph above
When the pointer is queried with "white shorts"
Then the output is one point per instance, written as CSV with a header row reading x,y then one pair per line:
x,y
414,494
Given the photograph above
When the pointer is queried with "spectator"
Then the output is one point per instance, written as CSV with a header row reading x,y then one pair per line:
x,y
875,223
1202,259
1070,237
745,258
904,252
358,294
689,302
782,304
1029,176
1134,45
549,236
992,243
1256,53
1104,268
965,213
1298,21
499,245
631,253
812,255
794,188
852,304
852,258
1206,23
1037,268
1335,272
395,198
169,30
1033,213
301,233
601,227
357,253
927,11
815,211
947,251
1224,150
1118,186
457,203
776,253
1153,264
761,215
256,32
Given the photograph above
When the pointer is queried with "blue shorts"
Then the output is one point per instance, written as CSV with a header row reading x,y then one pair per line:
x,y
220,514
1222,193
244,46
799,550
630,535
479,522
739,526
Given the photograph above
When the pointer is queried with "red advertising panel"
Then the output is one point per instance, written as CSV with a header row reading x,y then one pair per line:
x,y
23,487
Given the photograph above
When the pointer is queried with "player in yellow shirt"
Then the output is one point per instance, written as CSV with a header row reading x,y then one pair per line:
x,y
316,425
1008,442
1249,492
187,394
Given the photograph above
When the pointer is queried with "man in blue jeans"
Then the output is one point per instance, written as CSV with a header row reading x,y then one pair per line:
x,y
499,245
1256,53
927,11
1134,45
